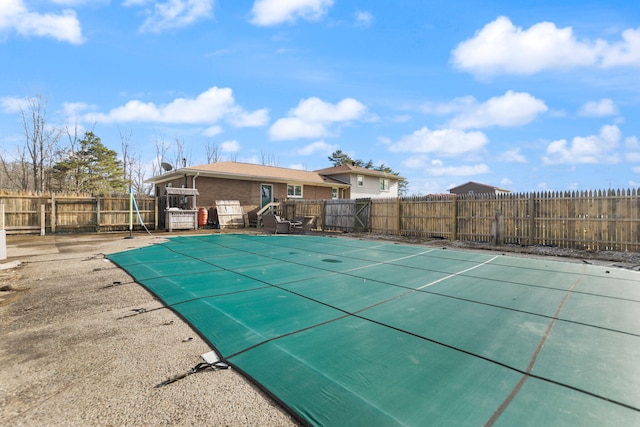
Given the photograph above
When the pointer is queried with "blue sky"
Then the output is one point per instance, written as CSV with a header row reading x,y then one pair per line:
x,y
527,95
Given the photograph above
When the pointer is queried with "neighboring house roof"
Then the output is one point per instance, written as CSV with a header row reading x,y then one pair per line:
x,y
249,172
352,169
477,184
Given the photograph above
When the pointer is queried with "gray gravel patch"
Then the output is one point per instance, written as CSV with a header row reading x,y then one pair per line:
x,y
75,352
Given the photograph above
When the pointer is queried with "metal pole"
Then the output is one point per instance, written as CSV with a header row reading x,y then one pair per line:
x,y
130,214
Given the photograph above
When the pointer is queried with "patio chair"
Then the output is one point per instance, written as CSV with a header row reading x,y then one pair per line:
x,y
274,224
303,224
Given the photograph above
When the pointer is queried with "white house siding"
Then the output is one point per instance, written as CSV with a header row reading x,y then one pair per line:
x,y
371,188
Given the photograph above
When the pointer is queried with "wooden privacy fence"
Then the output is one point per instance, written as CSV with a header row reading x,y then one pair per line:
x,y
62,213
591,220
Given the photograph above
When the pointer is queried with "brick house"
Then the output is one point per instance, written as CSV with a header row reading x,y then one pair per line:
x,y
254,186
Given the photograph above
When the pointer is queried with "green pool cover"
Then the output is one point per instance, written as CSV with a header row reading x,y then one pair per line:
x,y
350,332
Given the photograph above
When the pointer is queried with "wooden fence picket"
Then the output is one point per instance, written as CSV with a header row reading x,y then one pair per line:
x,y
589,220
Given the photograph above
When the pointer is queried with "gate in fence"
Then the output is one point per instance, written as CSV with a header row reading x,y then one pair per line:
x,y
362,217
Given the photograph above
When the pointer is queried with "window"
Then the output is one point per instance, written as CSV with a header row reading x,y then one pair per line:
x,y
384,184
334,193
294,191
360,180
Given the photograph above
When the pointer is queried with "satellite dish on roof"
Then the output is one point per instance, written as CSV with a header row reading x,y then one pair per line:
x,y
166,166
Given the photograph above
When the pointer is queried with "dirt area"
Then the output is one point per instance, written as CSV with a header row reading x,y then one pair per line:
x,y
75,352
82,344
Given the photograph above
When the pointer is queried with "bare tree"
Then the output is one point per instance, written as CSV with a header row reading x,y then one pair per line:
x,y
73,135
67,180
134,169
268,159
138,175
15,171
127,157
213,152
161,153
41,140
181,155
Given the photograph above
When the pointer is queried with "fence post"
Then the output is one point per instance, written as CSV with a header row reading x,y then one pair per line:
x,y
43,219
53,213
3,233
497,227
155,213
97,214
324,214
399,213
532,219
454,218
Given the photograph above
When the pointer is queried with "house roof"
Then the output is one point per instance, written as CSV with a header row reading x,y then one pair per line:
x,y
249,172
479,184
352,169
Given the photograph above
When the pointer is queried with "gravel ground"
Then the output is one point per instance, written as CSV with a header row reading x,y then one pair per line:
x,y
74,352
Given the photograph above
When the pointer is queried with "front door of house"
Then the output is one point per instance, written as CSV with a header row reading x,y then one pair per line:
x,y
266,194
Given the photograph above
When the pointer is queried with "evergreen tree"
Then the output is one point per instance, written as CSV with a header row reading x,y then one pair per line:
x,y
94,168
338,158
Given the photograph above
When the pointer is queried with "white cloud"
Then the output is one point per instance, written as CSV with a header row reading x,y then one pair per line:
x,y
632,143
633,146
313,118
437,168
316,110
446,142
293,127
230,146
626,52
601,108
246,119
317,147
12,104
513,155
274,12
364,19
590,149
511,109
209,107
128,3
75,109
415,162
505,182
175,14
502,48
212,131
633,157
63,26
79,2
